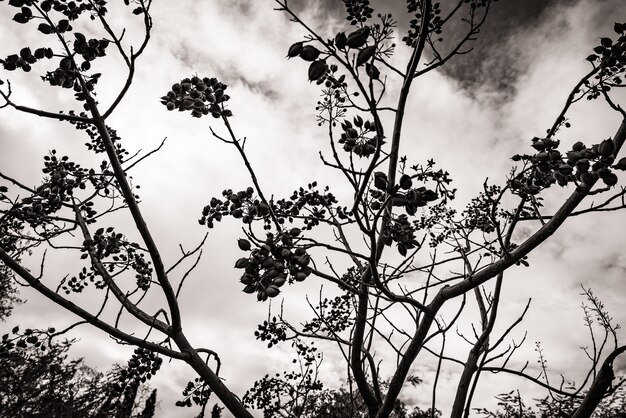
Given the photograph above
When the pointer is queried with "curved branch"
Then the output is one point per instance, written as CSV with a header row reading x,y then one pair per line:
x,y
88,317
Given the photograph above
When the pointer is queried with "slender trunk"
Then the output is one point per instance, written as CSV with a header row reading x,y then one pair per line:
x,y
415,346
471,365
356,355
596,392
599,387
229,399
397,380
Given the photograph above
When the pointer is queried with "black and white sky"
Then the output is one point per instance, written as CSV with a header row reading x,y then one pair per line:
x,y
470,117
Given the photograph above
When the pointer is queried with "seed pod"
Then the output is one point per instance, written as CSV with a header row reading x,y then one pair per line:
x,y
358,38
279,281
340,40
263,209
588,179
365,55
294,50
247,279
430,195
244,244
610,179
65,64
594,150
300,276
538,144
242,263
566,169
398,201
411,209
249,288
621,164
187,104
304,260
560,178
272,291
606,148
317,69
578,146
309,53
372,71
607,160
573,156
555,155
352,133
583,164
380,180
25,53
406,182
40,53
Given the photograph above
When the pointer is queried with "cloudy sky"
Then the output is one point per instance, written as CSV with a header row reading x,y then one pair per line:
x,y
471,117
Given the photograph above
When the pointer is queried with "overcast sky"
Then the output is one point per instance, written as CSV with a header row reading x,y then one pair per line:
x,y
471,118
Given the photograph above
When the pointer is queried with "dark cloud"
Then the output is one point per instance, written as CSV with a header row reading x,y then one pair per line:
x,y
489,64
493,63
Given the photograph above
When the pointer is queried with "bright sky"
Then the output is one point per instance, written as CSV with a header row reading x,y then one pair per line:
x,y
462,118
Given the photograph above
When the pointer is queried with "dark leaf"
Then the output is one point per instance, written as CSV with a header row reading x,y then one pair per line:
x,y
242,263
64,26
20,18
25,53
45,29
